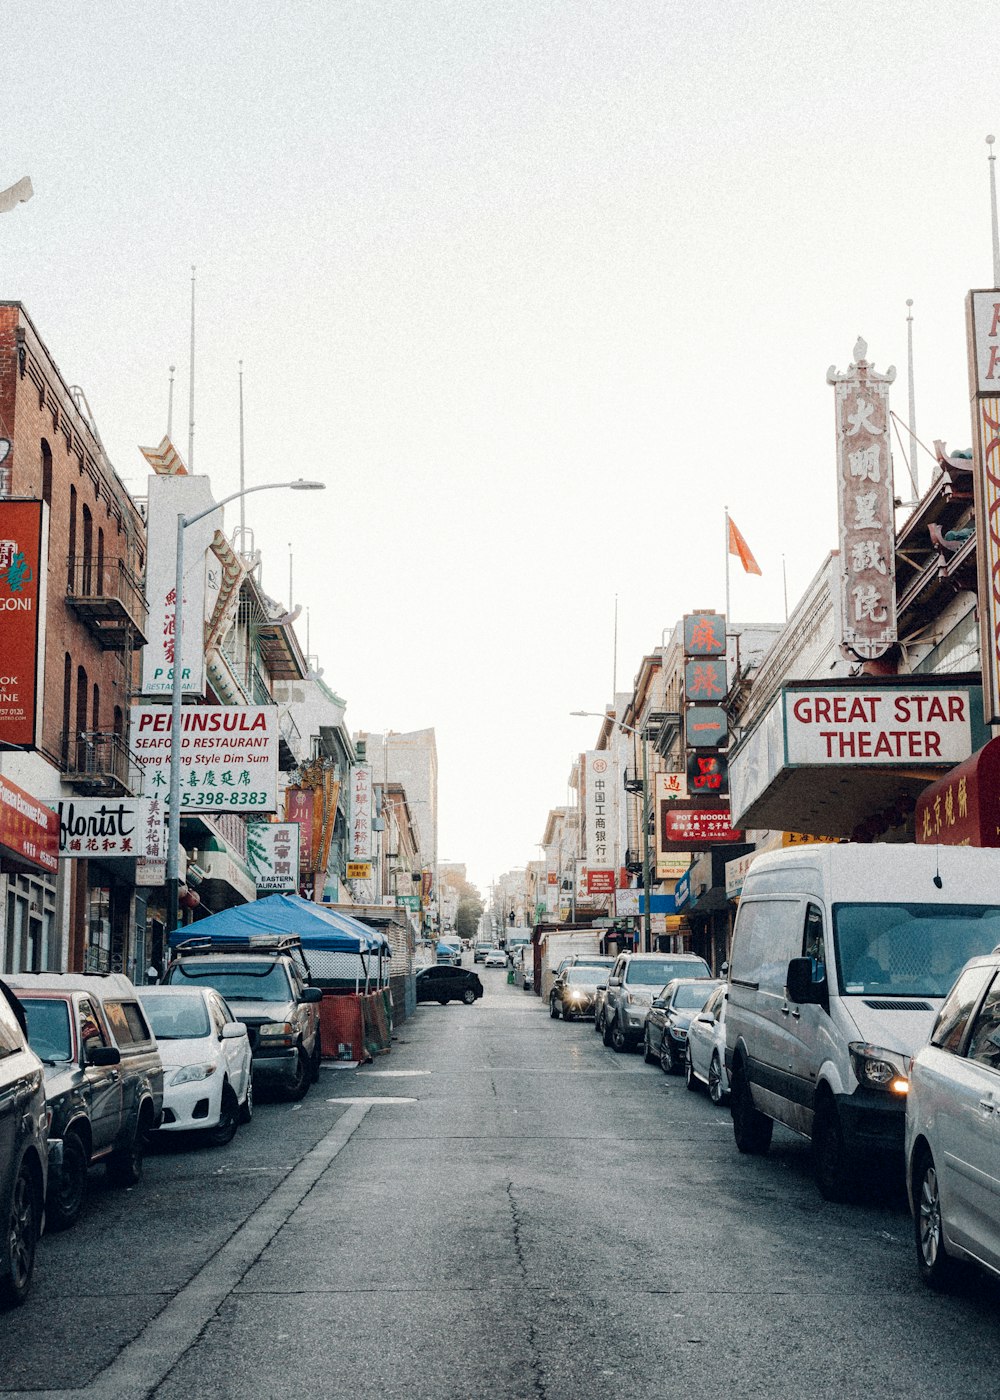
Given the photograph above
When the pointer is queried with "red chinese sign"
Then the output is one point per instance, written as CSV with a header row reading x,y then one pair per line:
x,y
21,590
28,829
865,503
693,829
708,774
705,681
963,807
299,806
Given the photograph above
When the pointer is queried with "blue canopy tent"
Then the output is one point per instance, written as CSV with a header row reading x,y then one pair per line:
x,y
321,930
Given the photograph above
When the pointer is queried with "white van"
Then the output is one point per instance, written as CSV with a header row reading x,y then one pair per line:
x,y
841,958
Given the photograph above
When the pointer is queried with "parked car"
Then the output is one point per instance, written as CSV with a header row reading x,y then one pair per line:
x,y
449,951
952,1164
635,979
103,1079
207,1062
496,957
585,960
600,996
840,963
573,992
24,1152
516,937
525,968
442,983
665,1032
264,981
480,952
706,1047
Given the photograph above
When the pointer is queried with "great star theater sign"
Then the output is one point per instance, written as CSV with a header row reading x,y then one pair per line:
x,y
877,726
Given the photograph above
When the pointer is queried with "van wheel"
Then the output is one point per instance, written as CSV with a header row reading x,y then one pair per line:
x,y
832,1166
936,1267
751,1129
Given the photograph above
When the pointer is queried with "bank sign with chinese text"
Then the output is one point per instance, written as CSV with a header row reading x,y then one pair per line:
x,y
228,756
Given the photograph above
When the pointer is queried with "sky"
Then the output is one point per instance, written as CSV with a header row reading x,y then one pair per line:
x,y
537,287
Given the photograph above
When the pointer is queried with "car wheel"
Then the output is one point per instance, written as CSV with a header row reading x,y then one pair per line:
x,y
468,996
598,1023
246,1108
715,1089
125,1165
667,1055
751,1129
689,1075
299,1086
606,1032
619,1041
442,1001
22,1238
936,1267
65,1200
316,1058
553,1012
647,1053
229,1120
832,1166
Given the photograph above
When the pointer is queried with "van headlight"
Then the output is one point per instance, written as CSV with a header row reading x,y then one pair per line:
x,y
876,1068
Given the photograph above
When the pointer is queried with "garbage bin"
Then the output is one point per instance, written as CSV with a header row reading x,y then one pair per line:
x,y
510,977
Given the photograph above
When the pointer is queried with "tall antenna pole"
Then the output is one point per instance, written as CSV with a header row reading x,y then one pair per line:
x,y
243,518
727,565
170,403
307,636
291,596
784,580
912,400
614,668
993,212
190,461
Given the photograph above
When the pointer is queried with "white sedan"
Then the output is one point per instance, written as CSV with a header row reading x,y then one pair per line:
x,y
496,957
952,1126
706,1047
207,1078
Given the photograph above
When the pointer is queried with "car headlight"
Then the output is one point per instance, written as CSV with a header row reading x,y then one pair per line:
x,y
634,998
188,1074
876,1068
277,1033
678,1032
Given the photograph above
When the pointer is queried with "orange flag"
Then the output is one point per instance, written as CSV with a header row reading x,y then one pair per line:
x,y
739,547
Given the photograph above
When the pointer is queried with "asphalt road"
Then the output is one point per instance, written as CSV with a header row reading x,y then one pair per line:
x,y
503,1208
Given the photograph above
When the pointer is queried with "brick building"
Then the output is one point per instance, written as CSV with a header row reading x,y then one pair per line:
x,y
92,613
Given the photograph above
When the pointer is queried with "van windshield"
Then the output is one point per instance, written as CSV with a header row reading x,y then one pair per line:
x,y
909,950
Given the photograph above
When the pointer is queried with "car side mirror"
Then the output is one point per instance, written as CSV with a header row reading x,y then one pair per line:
x,y
310,994
800,985
234,1030
659,1001
101,1056
614,981
705,1020
602,986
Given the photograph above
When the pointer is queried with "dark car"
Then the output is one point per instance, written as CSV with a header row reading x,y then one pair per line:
x,y
23,1152
574,990
103,1079
666,1030
444,983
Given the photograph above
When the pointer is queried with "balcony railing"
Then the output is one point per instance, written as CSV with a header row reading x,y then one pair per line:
x,y
109,599
99,763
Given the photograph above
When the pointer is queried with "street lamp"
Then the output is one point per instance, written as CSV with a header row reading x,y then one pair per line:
x,y
630,729
176,688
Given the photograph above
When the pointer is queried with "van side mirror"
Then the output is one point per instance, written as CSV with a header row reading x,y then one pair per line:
x,y
800,985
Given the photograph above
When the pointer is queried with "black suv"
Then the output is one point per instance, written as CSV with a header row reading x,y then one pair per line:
x,y
103,1079
265,982
23,1152
442,983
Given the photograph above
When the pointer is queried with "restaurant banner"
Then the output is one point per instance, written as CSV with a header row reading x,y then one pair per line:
x,y
963,807
23,571
697,829
229,754
273,856
359,845
29,831
299,808
118,826
167,497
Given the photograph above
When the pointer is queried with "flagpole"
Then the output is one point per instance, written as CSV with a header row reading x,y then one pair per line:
x,y
727,565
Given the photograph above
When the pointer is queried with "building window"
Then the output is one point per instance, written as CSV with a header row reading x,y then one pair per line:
x,y
88,551
72,539
46,473
95,721
100,562
82,697
67,702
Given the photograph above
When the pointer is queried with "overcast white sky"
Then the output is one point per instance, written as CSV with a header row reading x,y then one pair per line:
x,y
537,287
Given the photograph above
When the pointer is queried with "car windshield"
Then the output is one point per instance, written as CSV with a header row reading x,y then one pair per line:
x,y
692,998
909,949
647,973
581,974
48,1029
176,1017
237,981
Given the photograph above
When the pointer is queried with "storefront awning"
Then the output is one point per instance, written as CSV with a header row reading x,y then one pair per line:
x,y
828,757
29,830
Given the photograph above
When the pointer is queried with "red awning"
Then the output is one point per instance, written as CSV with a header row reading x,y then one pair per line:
x,y
29,831
963,807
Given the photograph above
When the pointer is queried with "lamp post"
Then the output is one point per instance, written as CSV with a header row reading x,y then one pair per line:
x,y
647,935
177,684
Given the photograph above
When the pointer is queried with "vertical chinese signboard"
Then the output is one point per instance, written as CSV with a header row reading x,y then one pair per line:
x,y
359,845
598,799
22,599
865,507
983,322
168,497
299,806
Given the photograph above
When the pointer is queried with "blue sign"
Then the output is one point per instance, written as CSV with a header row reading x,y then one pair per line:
x,y
682,891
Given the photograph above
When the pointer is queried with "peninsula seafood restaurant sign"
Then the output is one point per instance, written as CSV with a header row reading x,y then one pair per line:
x,y
229,755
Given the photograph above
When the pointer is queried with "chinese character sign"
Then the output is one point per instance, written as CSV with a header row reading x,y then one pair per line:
x,y
360,835
705,681
273,855
865,505
168,497
599,803
983,315
228,755
118,826
704,635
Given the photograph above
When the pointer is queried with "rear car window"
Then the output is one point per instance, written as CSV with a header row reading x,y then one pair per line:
x,y
127,1023
11,1040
